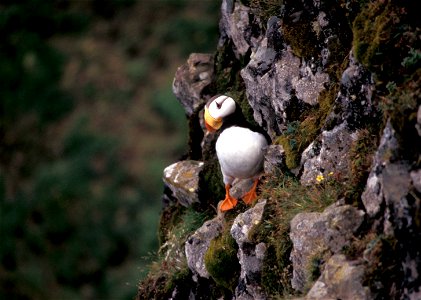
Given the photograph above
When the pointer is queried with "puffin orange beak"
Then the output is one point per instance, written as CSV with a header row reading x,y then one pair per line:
x,y
209,128
211,123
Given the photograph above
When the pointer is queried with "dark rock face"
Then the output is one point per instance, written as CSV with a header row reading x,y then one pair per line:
x,y
391,197
310,80
277,81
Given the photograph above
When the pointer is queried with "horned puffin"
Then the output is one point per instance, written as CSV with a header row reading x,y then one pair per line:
x,y
239,149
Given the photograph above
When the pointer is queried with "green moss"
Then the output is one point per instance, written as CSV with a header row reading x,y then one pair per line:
x,y
382,267
361,155
300,36
338,62
212,188
300,134
162,283
265,9
227,70
383,32
277,271
372,28
221,260
180,279
315,264
402,100
400,107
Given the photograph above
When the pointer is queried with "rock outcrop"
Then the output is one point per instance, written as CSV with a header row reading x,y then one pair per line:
x,y
336,88
250,255
316,234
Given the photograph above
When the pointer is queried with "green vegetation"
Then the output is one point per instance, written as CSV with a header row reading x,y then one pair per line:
x,y
361,158
300,36
286,198
171,269
221,260
299,135
265,8
385,41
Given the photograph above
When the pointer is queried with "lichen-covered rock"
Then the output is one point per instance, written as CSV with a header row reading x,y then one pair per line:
x,y
274,159
183,180
354,104
352,110
278,83
416,179
372,196
330,155
390,197
314,234
250,255
198,243
290,67
240,26
191,79
341,279
418,125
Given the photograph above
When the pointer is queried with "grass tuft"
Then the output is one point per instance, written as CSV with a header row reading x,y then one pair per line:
x,y
170,270
286,198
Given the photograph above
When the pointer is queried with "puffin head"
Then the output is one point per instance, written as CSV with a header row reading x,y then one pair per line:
x,y
216,110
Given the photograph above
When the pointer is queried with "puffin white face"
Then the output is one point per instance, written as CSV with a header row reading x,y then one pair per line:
x,y
217,109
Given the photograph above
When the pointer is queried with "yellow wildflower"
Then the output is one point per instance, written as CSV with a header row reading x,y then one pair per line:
x,y
320,178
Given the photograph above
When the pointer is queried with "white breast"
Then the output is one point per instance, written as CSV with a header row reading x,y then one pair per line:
x,y
240,152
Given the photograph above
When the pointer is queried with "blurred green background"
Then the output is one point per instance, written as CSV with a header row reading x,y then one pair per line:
x,y
88,122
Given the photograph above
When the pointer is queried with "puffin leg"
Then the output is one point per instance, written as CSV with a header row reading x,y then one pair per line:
x,y
251,195
229,202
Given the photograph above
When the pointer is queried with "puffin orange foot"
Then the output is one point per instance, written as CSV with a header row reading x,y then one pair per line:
x,y
251,195
229,202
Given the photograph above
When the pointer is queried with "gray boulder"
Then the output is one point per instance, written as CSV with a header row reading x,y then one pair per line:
x,y
341,279
191,79
330,155
317,234
250,255
239,25
277,80
198,243
183,180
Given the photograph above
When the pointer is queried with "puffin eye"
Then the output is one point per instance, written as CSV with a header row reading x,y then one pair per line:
x,y
219,105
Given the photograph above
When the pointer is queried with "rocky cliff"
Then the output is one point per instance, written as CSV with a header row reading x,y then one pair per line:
x,y
335,84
